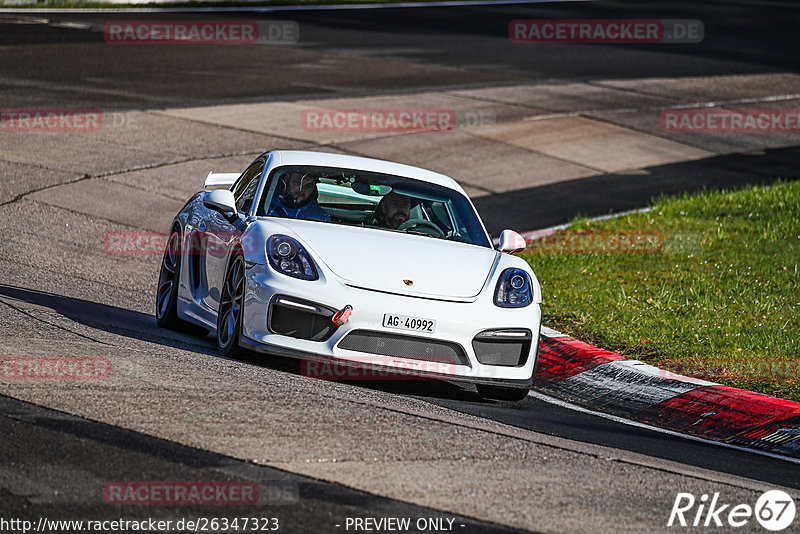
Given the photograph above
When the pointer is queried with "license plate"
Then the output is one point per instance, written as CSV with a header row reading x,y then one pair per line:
x,y
416,324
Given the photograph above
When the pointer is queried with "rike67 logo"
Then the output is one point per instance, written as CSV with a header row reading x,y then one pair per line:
x,y
774,510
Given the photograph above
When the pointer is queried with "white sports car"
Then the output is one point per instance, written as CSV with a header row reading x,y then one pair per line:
x,y
356,261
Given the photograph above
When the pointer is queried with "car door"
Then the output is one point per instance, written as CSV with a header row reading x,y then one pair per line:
x,y
222,233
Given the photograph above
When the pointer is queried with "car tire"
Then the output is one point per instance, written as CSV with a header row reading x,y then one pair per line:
x,y
167,291
501,393
231,307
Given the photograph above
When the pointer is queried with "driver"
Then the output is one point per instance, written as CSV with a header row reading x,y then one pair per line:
x,y
296,198
393,210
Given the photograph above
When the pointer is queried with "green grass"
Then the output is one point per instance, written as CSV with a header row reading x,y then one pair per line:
x,y
717,296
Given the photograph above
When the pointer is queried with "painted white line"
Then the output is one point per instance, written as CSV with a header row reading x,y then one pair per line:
x,y
620,388
586,113
652,371
549,332
617,419
54,86
544,232
274,9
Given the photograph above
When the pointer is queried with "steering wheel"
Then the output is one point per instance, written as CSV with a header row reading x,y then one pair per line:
x,y
423,225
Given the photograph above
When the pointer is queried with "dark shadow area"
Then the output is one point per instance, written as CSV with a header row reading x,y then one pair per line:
x,y
143,327
108,434
135,325
546,418
421,387
549,205
532,414
115,320
739,37
52,441
470,43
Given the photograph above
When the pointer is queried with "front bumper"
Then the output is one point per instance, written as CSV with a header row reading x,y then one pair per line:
x,y
457,326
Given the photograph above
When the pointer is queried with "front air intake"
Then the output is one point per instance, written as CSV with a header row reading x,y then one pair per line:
x,y
508,348
300,319
399,346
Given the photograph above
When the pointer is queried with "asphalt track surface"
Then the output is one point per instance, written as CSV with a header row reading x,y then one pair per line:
x,y
59,441
358,53
384,51
391,45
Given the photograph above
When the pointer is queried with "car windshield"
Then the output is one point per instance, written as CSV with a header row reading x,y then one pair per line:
x,y
371,200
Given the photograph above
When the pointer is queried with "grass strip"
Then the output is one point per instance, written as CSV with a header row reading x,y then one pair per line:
x,y
704,284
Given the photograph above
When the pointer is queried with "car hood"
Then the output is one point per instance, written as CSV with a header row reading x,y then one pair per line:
x,y
387,261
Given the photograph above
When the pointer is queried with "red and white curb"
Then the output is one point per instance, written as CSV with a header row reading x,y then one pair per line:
x,y
608,382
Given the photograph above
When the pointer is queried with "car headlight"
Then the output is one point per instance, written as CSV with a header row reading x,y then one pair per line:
x,y
514,289
287,256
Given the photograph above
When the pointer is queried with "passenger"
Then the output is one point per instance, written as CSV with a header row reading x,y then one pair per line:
x,y
296,198
392,211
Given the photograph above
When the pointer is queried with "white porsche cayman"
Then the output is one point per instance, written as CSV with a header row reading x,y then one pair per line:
x,y
357,261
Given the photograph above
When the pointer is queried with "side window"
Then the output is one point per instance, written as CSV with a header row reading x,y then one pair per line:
x,y
439,215
245,189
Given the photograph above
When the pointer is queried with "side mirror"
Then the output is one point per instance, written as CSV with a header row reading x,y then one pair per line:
x,y
511,242
221,200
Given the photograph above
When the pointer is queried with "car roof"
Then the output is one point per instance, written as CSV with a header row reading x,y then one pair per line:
x,y
326,159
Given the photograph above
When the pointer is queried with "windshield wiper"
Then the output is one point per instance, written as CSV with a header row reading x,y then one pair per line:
x,y
417,232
